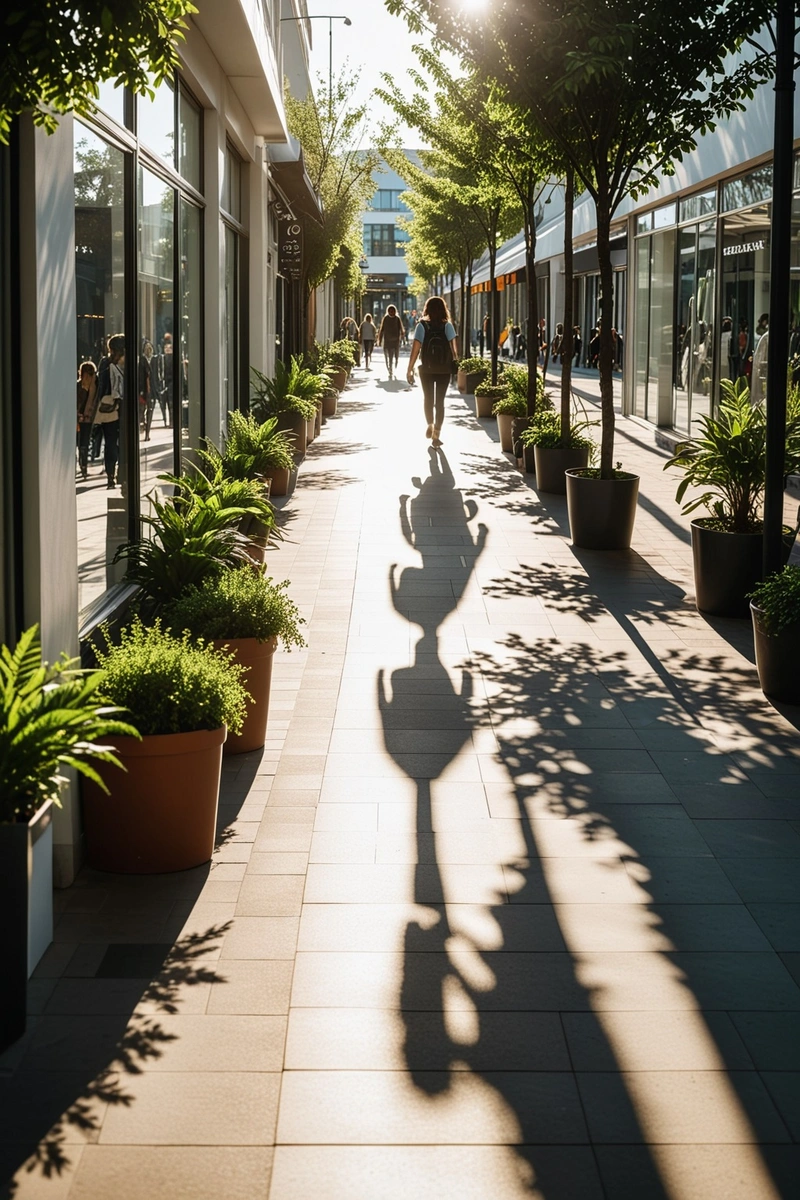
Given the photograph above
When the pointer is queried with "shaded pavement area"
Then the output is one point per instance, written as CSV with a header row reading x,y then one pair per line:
x,y
509,906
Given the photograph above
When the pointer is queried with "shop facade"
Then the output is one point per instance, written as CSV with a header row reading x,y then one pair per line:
x,y
149,226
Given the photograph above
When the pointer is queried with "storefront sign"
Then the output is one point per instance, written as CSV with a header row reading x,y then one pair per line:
x,y
745,248
290,249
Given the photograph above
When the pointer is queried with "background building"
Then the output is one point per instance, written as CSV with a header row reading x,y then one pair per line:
x,y
385,268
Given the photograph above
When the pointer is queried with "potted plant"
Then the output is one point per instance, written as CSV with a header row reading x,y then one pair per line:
x,y
342,358
486,395
506,408
330,400
291,397
775,609
247,614
727,460
254,450
51,717
471,372
551,457
249,498
182,697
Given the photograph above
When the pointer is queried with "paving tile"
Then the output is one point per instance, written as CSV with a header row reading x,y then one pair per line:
x,y
199,1173
780,923
655,1041
716,1172
392,1108
764,880
270,896
772,1039
750,838
432,1172
251,987
196,1108
261,937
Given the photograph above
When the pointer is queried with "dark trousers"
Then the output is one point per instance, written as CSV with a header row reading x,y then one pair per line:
x,y
84,438
391,353
111,450
434,390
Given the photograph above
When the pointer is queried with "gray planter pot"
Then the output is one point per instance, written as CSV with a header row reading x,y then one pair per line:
x,y
483,406
472,381
551,465
601,511
726,567
293,423
504,429
777,660
26,902
329,402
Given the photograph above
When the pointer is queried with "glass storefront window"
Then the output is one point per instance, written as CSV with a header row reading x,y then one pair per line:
x,y
232,184
694,332
665,216
191,325
189,140
155,122
230,321
111,101
158,381
99,179
654,326
645,223
750,189
745,296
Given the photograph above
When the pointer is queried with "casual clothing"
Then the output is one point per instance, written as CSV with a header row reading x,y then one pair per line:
x,y
366,335
434,384
389,336
419,333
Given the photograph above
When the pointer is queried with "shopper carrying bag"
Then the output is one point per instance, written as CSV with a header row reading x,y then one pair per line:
x,y
436,346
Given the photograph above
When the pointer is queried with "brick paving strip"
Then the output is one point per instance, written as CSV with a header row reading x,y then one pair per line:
x,y
507,908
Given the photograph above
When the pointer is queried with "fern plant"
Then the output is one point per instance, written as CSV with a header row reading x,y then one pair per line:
x,y
293,389
251,448
728,459
51,717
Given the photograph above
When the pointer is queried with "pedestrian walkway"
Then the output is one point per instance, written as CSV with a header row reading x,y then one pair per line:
x,y
508,908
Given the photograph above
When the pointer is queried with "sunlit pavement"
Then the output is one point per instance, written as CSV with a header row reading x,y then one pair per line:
x,y
509,906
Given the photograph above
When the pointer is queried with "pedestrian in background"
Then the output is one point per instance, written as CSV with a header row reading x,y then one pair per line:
x,y
389,336
436,345
366,335
87,403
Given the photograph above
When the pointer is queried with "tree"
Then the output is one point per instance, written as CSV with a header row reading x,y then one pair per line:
x,y
461,159
56,54
331,134
623,88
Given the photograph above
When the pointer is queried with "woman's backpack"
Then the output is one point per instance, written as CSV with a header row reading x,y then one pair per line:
x,y
436,356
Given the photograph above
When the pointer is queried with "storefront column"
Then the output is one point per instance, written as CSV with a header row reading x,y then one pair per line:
x,y
47,386
214,273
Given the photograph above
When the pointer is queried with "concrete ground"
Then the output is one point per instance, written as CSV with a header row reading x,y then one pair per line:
x,y
509,907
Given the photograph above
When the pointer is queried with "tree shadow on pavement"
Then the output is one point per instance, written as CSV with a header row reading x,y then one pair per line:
x,y
556,1006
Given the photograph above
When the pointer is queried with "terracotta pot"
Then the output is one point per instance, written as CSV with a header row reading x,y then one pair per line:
x,y
552,463
318,420
483,406
311,429
461,380
528,459
601,511
777,660
279,477
504,428
291,422
329,402
161,814
257,657
339,378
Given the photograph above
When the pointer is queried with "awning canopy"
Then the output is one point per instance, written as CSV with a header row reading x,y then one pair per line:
x,y
289,174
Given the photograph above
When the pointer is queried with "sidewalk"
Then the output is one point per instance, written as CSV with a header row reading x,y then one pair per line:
x,y
509,907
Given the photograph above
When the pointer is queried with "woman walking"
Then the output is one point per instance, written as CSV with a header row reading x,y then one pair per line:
x,y
87,404
436,345
366,335
389,336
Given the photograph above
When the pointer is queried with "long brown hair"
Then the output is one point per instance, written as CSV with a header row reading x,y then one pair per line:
x,y
435,309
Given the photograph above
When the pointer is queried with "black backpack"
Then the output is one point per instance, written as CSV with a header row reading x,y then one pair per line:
x,y
436,355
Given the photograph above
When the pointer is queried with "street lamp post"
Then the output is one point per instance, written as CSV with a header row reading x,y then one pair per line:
x,y
330,19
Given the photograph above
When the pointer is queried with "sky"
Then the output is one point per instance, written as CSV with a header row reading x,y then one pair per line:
x,y
374,43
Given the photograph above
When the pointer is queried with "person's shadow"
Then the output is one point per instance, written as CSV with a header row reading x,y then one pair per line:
x,y
517,1047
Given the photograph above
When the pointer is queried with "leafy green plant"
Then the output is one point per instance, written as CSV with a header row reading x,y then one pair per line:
x,y
251,448
241,503
342,354
491,391
51,717
545,431
510,406
778,599
171,684
515,377
728,459
294,389
318,357
475,366
184,548
242,603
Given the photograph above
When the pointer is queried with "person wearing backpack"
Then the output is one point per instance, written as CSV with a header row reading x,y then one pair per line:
x,y
436,346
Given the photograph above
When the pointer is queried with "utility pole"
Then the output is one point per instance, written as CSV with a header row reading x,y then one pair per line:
x,y
779,300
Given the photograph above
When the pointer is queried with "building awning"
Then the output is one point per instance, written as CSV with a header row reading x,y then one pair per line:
x,y
289,174
586,262
510,258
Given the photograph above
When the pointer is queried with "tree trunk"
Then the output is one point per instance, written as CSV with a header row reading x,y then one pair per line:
x,y
532,328
606,343
494,310
566,341
468,319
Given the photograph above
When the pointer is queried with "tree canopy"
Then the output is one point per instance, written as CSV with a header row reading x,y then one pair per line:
x,y
56,54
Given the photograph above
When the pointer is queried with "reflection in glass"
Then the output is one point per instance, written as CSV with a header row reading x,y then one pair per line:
x,y
641,327
232,184
99,297
745,293
191,325
740,193
189,140
156,375
156,122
